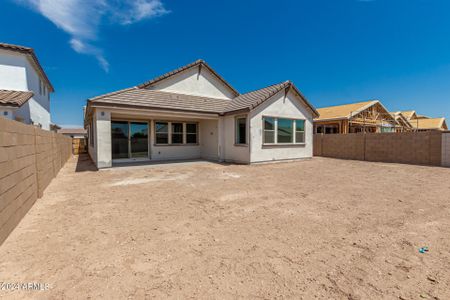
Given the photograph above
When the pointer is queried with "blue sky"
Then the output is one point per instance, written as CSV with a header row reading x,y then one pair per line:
x,y
335,51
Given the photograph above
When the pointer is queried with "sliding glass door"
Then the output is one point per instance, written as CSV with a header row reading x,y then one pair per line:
x,y
119,139
138,139
129,139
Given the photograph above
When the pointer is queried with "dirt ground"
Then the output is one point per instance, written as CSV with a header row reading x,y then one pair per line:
x,y
322,228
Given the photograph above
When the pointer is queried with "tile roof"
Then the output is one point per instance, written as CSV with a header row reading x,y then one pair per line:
x,y
145,98
14,98
72,131
199,62
432,123
252,99
30,52
343,111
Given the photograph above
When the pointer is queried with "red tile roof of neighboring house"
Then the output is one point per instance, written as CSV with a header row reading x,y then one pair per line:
x,y
14,98
30,53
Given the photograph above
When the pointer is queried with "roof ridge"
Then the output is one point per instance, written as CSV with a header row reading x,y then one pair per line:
x,y
271,85
183,68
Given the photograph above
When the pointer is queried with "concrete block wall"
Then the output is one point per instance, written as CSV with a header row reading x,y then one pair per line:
x,y
29,159
446,149
421,148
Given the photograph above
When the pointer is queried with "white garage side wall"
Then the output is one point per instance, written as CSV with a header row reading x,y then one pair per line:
x,y
209,138
232,152
279,106
103,138
13,71
189,82
39,104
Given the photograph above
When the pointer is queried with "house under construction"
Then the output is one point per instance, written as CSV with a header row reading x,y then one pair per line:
x,y
369,116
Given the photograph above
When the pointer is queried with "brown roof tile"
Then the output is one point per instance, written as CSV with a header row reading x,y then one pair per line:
x,y
14,98
30,52
141,97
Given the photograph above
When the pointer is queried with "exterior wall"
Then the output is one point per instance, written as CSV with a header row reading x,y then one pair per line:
x,y
17,73
280,107
207,147
92,147
446,149
421,148
230,152
13,71
102,119
7,112
191,83
209,139
29,159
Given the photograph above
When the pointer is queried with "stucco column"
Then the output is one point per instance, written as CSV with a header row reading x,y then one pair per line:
x,y
221,139
103,134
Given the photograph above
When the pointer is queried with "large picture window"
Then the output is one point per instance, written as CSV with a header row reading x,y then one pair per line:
x,y
241,131
283,131
162,132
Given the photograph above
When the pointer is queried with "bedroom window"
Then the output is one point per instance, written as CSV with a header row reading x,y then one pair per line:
x,y
299,131
269,130
241,131
162,133
191,133
283,131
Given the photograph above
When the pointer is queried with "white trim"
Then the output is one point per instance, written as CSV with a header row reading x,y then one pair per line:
x,y
159,113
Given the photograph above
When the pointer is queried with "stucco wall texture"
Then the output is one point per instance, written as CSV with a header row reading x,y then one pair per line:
x,y
29,159
417,148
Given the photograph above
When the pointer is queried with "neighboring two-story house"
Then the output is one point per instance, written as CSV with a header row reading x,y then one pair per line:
x,y
24,87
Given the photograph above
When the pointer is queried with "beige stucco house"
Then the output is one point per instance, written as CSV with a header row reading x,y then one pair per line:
x,y
193,113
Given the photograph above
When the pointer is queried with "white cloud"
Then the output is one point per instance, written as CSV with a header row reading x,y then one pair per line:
x,y
82,18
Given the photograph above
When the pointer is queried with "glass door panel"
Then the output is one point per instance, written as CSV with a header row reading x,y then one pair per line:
x,y
138,139
119,139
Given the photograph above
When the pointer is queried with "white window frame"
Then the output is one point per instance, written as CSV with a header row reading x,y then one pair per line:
x,y
188,133
169,127
236,120
184,133
294,131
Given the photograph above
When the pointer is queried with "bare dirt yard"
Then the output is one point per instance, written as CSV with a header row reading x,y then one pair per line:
x,y
322,228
